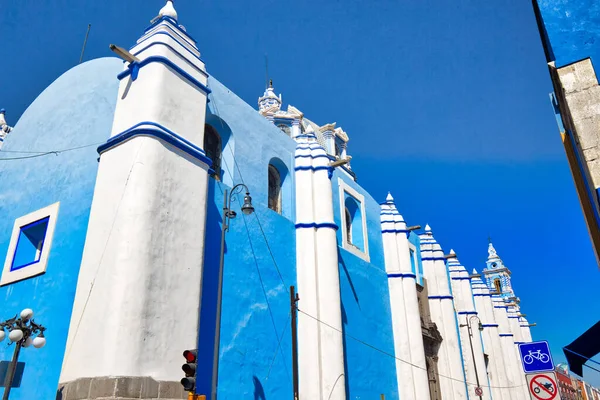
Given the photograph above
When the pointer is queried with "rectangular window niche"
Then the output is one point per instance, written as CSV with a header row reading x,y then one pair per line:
x,y
29,245
354,221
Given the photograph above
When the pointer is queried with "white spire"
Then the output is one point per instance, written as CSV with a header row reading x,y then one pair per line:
x,y
452,253
168,10
389,197
427,228
475,271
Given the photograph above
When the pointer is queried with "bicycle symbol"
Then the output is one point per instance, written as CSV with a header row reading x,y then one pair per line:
x,y
537,355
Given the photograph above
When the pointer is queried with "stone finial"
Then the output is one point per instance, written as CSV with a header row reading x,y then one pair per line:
x,y
427,228
452,253
475,271
168,10
389,198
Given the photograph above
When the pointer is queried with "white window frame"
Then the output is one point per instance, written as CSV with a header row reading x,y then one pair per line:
x,y
39,267
343,189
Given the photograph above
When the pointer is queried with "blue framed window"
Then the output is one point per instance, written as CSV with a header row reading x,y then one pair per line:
x,y
30,244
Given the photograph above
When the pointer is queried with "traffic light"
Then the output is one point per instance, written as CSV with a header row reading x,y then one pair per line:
x,y
189,368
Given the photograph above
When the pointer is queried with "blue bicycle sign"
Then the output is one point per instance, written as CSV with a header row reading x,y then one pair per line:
x,y
535,357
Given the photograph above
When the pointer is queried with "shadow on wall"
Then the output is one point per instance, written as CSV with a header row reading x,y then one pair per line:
x,y
345,317
208,308
259,392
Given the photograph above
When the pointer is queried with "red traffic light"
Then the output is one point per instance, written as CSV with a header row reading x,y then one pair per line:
x,y
191,355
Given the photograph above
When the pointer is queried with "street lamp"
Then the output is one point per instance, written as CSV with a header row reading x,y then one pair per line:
x,y
228,214
480,327
21,330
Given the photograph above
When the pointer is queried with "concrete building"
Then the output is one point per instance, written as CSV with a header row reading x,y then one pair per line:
x,y
569,31
117,250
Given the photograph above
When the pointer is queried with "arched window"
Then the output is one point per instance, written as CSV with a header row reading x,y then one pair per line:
x,y
274,189
498,285
348,217
212,148
286,129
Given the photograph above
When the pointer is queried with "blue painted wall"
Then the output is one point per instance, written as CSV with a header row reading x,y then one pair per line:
x,y
366,313
258,247
76,110
251,363
571,29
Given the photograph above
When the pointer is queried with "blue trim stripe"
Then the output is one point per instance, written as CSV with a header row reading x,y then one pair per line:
x,y
388,213
394,231
134,66
161,133
172,37
176,52
433,258
510,316
190,42
501,307
311,168
482,295
467,313
462,278
440,297
402,276
314,225
311,156
490,325
173,22
505,334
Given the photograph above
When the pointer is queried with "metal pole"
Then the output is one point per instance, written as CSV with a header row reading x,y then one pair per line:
x,y
85,42
293,299
11,370
224,228
473,354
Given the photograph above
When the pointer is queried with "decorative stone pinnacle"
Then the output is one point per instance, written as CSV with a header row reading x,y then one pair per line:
x,y
427,228
452,253
492,251
168,10
389,197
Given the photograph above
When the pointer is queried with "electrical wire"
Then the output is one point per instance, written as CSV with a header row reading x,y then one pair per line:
x,y
255,214
399,359
41,153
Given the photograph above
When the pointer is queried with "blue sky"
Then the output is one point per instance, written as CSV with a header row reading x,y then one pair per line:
x,y
446,105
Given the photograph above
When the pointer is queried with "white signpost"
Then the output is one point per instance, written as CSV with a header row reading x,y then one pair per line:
x,y
543,386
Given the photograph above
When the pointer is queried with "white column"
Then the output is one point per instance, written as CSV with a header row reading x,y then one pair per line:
x,y
404,371
136,280
450,325
435,306
306,265
491,340
513,367
320,344
413,317
330,308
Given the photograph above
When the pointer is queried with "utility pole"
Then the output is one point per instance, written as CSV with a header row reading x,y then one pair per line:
x,y
294,310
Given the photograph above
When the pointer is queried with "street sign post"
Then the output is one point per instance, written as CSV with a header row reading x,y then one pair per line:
x,y
543,386
536,357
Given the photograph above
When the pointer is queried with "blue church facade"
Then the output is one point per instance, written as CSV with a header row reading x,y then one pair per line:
x,y
123,269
